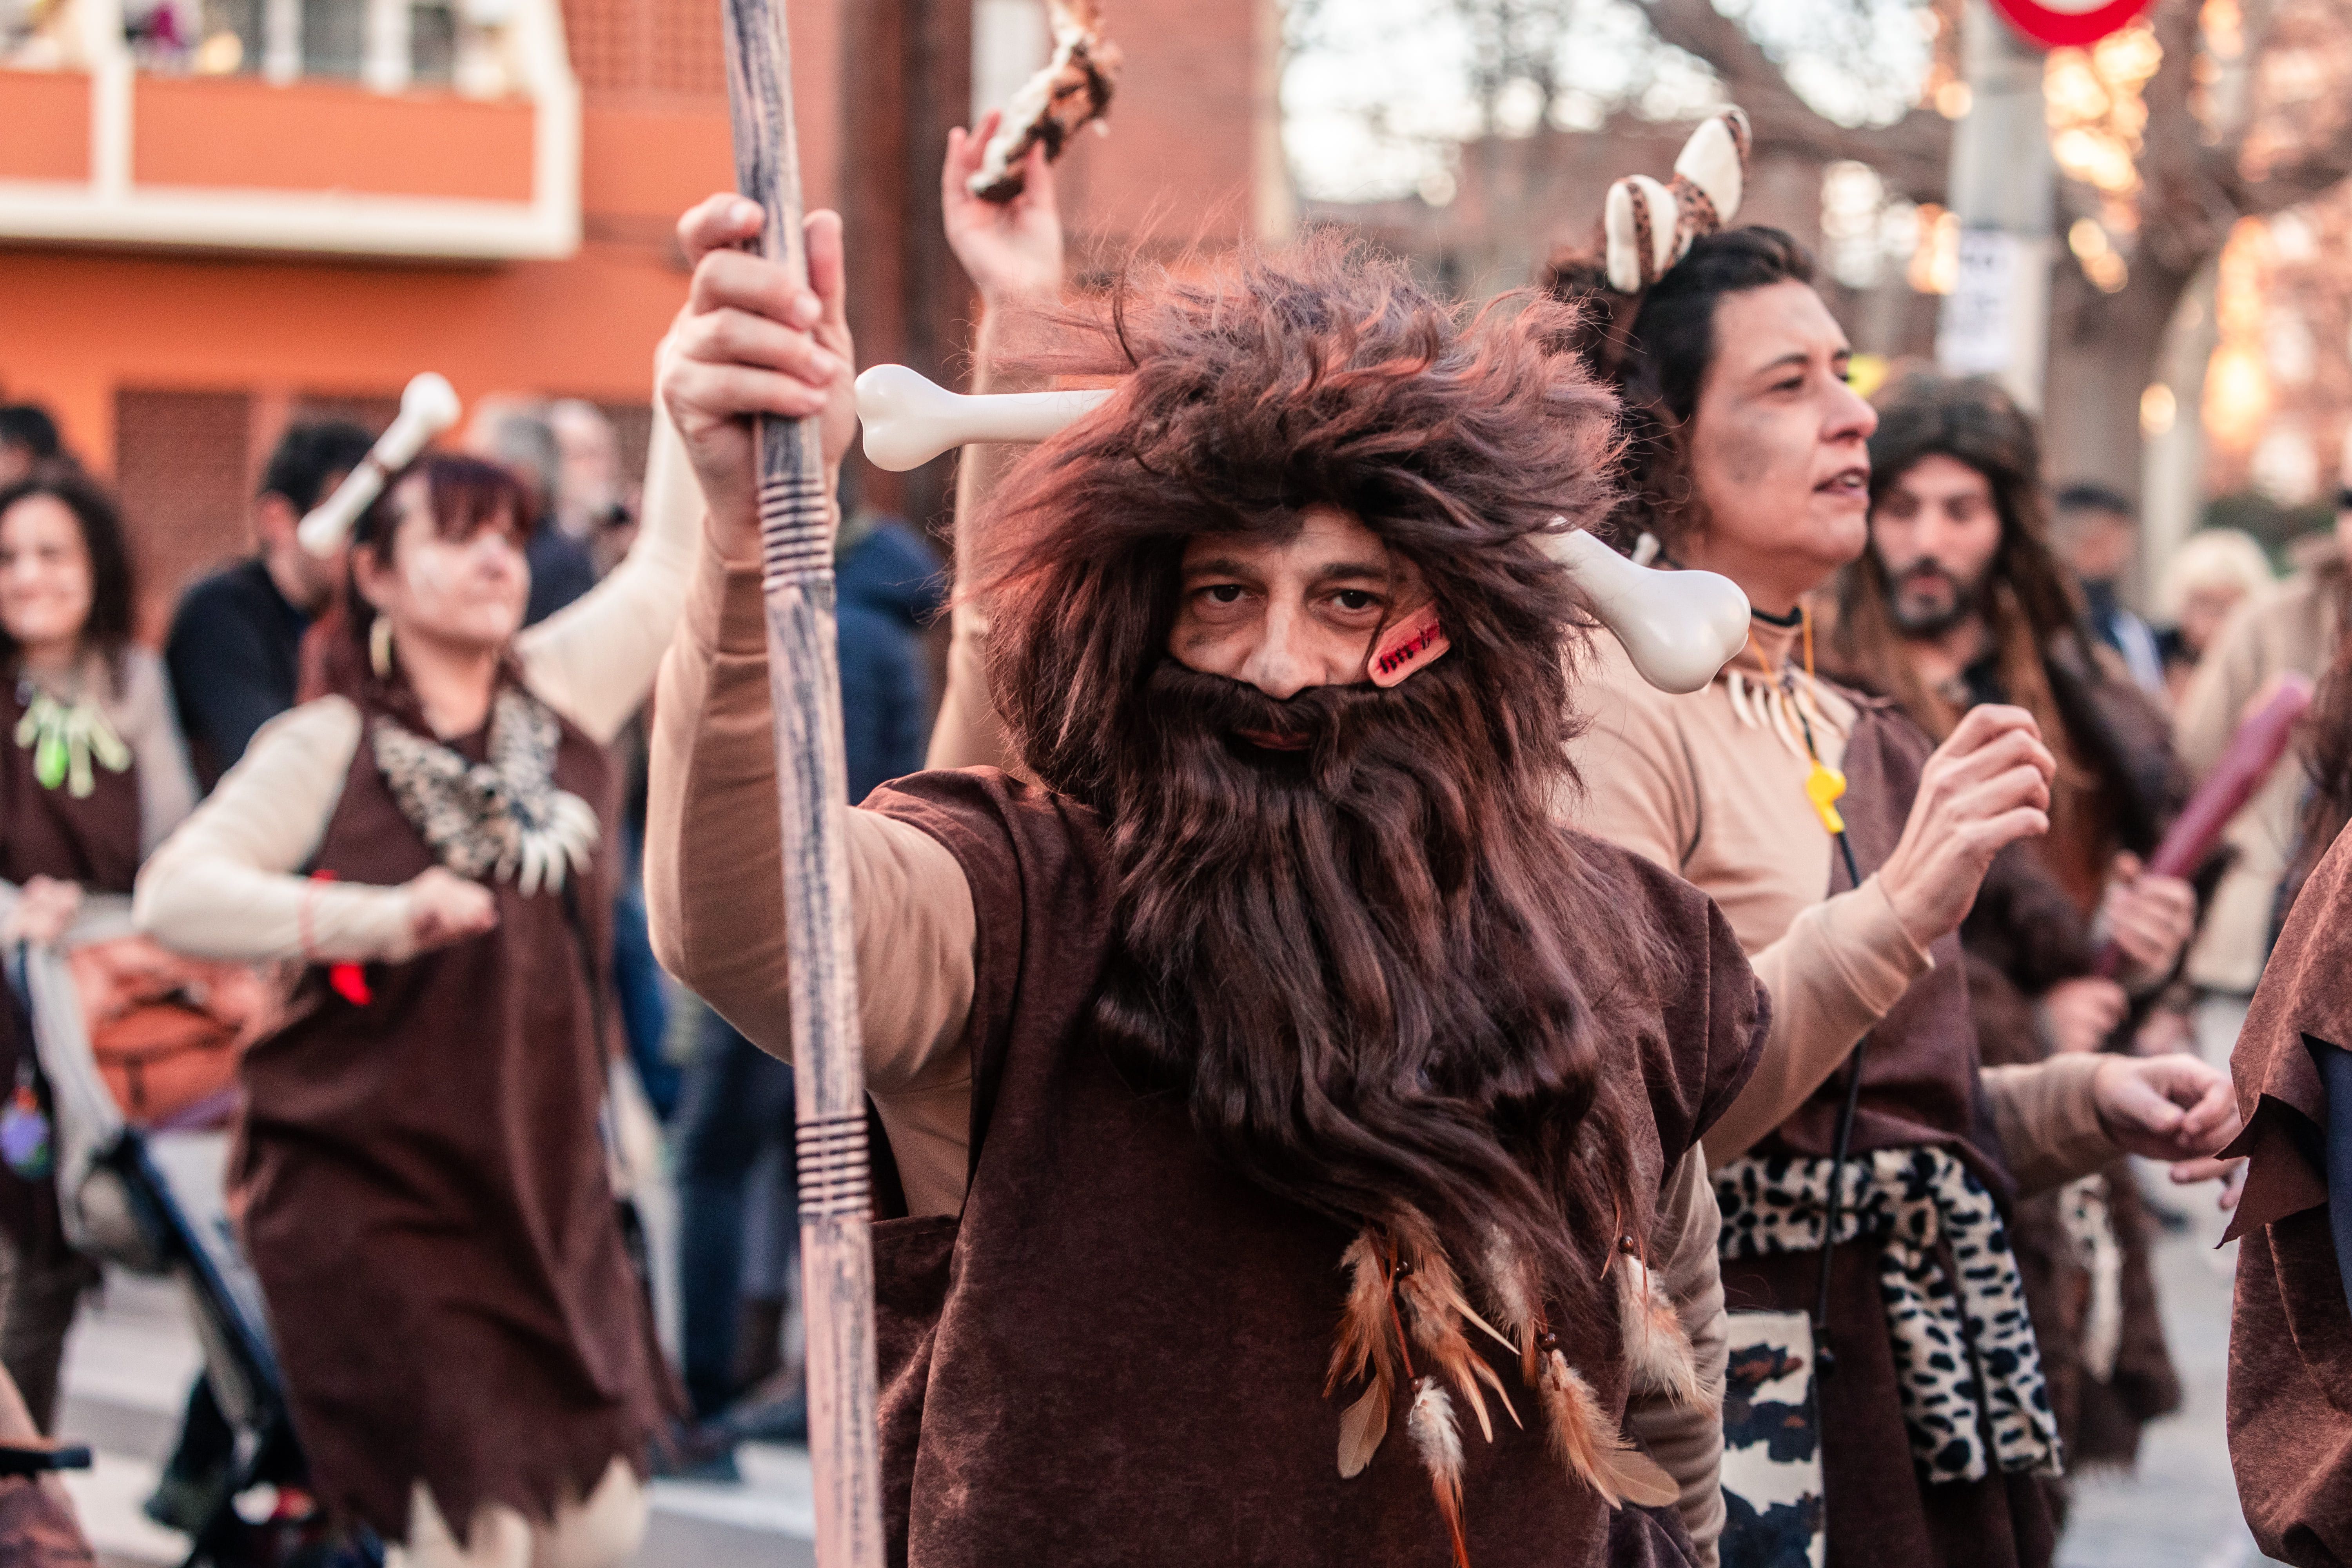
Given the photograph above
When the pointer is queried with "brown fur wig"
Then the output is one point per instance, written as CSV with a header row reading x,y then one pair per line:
x,y
1381,972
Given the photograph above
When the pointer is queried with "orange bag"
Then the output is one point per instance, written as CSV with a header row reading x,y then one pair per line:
x,y
167,1031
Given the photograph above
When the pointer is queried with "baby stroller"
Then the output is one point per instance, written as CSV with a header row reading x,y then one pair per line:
x,y
144,1189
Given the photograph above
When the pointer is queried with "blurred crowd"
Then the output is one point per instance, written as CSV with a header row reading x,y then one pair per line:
x,y
1992,578
239,653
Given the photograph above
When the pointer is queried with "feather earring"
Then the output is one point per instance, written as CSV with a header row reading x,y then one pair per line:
x,y
1439,1440
1364,1346
1592,1447
1658,1352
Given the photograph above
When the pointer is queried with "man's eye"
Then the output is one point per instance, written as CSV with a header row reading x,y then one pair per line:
x,y
1224,593
1356,599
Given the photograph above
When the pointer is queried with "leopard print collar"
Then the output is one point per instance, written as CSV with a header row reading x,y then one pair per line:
x,y
499,818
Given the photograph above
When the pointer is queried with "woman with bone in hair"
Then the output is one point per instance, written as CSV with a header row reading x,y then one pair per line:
x,y
421,1175
1892,1399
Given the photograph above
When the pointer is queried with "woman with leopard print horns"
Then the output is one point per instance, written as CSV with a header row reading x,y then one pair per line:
x,y
421,1181
1892,1401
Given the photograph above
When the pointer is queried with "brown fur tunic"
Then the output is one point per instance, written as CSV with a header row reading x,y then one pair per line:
x,y
2290,1409
423,1189
91,839
1115,1353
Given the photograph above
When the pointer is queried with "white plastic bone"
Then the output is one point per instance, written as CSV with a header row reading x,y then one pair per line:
x,y
1678,628
908,420
428,405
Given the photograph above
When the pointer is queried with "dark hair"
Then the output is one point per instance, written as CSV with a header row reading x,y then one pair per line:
x,y
113,586
1657,347
466,495
28,425
2088,497
308,456
1383,976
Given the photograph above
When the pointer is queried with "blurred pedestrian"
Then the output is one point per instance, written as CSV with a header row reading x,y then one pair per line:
x,y
422,1177
591,502
514,432
2095,532
94,776
2293,626
29,439
1960,600
2214,571
235,647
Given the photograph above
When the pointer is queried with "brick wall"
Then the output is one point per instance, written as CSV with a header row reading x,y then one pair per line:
x,y
181,474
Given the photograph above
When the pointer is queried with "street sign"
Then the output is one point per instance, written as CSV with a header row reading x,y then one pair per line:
x,y
1995,319
2058,23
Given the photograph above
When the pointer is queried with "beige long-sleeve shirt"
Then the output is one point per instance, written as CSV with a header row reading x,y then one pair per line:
x,y
2289,627
227,884
712,882
1684,780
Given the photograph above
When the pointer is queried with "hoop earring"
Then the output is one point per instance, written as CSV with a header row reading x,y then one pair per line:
x,y
380,646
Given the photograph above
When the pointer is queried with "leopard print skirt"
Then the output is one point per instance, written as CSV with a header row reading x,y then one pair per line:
x,y
1965,1360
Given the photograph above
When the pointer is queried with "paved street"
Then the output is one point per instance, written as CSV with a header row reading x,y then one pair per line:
x,y
131,1360
128,1369
2179,1509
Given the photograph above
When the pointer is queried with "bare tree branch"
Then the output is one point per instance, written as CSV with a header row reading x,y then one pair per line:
x,y
1911,154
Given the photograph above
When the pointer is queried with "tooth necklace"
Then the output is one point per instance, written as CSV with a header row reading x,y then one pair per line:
x,y
1789,709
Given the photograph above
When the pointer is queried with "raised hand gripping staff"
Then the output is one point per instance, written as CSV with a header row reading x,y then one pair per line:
x,y
805,686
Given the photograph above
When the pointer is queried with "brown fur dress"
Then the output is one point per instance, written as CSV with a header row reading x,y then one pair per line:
x,y
423,1188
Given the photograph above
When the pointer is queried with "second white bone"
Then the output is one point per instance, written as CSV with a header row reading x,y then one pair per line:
x,y
1678,628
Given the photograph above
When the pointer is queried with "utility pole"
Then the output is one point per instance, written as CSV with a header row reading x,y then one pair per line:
x,y
1996,321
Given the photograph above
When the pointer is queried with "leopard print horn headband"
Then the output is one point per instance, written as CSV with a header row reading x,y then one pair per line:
x,y
1649,223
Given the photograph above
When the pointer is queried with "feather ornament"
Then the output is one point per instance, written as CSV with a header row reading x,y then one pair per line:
x,y
1365,1348
1658,1352
1426,1282
1589,1444
1439,1440
1514,1303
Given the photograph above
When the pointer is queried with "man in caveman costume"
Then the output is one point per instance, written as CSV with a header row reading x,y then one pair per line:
x,y
1298,1129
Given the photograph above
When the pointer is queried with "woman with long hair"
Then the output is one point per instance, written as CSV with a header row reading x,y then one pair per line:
x,y
1844,848
95,775
421,1174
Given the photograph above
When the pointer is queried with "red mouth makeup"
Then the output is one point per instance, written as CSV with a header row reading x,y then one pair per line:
x,y
1267,741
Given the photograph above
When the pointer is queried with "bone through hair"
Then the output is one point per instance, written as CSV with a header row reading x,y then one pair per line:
x,y
428,405
1678,628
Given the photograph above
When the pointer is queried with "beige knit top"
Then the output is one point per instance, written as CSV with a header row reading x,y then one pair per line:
x,y
1716,793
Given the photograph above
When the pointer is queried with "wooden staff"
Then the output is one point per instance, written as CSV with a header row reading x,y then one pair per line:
x,y
804,688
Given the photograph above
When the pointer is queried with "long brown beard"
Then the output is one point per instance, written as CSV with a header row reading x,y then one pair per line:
x,y
1354,960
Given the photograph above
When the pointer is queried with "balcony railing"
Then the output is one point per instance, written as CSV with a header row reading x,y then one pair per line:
x,y
447,129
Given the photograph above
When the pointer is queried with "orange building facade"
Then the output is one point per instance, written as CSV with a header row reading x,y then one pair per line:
x,y
312,200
